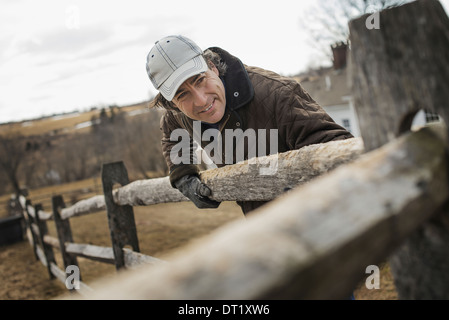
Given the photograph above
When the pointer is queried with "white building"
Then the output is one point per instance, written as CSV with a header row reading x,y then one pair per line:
x,y
330,90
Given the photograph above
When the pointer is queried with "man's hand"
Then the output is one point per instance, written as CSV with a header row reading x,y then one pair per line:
x,y
192,187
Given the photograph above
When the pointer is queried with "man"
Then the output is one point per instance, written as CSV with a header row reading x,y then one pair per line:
x,y
215,90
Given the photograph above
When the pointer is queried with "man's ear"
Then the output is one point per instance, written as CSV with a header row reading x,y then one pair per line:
x,y
213,67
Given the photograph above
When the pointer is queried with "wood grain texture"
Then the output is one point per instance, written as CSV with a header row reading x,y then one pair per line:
x,y
291,169
398,69
313,242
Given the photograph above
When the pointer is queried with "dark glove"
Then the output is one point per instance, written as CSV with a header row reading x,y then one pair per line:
x,y
192,187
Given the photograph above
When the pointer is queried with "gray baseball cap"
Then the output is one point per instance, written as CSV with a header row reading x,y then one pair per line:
x,y
173,60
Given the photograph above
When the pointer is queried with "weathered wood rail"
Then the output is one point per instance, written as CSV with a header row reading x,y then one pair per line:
x,y
313,242
310,162
336,207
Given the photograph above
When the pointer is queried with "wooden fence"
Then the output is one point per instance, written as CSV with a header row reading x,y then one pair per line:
x,y
119,204
336,207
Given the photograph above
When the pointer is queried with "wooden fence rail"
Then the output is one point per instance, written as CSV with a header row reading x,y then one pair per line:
x,y
308,162
314,242
336,207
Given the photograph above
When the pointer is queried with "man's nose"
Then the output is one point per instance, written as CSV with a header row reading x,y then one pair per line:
x,y
199,97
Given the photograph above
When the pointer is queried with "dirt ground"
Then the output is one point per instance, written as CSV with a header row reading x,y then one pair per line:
x,y
161,229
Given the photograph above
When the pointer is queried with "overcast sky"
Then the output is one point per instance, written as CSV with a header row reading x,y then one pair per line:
x,y
60,56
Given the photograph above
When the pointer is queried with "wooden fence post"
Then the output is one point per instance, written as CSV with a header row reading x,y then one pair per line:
x,y
121,218
43,230
29,221
64,232
398,69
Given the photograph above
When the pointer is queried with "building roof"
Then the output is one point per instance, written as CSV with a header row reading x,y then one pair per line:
x,y
326,86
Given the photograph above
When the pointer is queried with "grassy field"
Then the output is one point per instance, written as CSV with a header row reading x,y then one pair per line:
x,y
71,192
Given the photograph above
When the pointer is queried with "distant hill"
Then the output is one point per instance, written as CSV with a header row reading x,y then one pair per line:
x,y
63,123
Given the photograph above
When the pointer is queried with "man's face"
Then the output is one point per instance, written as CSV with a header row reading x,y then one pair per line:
x,y
202,97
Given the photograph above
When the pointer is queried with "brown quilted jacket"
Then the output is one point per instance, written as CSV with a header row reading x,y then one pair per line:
x,y
258,99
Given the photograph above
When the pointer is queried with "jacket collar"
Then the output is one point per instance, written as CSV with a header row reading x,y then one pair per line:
x,y
239,89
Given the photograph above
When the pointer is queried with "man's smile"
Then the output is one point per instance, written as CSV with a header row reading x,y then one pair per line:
x,y
208,108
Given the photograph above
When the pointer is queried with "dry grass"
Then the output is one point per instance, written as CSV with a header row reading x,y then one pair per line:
x,y
63,124
161,229
71,192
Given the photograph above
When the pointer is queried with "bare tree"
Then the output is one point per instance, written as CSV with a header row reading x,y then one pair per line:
x,y
12,154
75,157
327,21
142,144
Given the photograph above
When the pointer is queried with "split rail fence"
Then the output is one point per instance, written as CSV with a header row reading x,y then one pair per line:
x,y
349,204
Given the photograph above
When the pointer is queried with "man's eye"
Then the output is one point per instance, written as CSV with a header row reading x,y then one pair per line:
x,y
200,79
181,95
